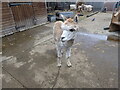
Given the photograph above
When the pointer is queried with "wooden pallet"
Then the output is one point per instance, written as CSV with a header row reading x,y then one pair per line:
x,y
115,21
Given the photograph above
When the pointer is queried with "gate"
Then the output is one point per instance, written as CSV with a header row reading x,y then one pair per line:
x,y
23,14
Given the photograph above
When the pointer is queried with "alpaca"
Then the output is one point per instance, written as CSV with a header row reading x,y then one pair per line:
x,y
64,35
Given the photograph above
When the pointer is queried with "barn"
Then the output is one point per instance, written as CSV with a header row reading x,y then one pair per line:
x,y
97,6
110,5
18,16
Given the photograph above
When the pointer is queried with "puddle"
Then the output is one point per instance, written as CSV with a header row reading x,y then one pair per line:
x,y
101,37
95,36
88,40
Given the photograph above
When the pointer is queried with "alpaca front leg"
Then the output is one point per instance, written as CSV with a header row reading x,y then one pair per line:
x,y
58,61
59,55
68,54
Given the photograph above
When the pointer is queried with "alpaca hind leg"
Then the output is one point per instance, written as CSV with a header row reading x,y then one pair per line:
x,y
59,55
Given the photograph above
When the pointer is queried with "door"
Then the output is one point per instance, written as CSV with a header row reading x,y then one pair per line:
x,y
23,15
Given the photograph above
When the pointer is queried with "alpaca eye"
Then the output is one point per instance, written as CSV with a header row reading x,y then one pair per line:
x,y
72,30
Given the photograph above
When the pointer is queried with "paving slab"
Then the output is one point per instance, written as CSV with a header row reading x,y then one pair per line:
x,y
9,82
101,21
19,42
37,68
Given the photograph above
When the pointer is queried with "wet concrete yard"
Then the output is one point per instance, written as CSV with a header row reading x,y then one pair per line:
x,y
29,60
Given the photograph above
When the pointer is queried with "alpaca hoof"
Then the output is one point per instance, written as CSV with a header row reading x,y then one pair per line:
x,y
69,64
59,65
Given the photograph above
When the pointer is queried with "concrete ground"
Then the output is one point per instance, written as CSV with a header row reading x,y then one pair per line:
x,y
29,58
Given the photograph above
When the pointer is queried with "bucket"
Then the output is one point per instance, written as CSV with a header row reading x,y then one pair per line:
x,y
51,18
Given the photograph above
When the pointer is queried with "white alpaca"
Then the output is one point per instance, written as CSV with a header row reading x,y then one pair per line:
x,y
73,7
64,34
86,7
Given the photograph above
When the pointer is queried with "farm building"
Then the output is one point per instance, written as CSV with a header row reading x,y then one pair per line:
x,y
97,6
52,6
20,16
110,5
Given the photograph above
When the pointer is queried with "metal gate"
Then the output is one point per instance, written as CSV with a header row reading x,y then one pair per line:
x,y
23,14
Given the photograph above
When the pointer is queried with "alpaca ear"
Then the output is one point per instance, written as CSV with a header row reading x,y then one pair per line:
x,y
63,17
76,18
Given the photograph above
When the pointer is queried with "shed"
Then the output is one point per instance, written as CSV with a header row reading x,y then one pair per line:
x,y
52,6
18,16
110,5
97,6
